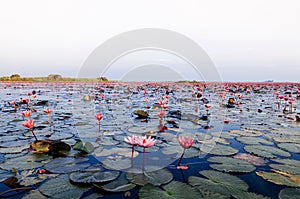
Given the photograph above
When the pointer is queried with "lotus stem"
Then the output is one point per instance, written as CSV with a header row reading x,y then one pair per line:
x,y
181,157
34,135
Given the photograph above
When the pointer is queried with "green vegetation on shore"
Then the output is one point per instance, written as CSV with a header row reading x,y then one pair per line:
x,y
51,78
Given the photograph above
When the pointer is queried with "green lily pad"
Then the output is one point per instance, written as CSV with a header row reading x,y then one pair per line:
x,y
60,187
229,164
93,196
87,147
67,165
119,185
120,164
277,178
25,162
218,149
253,140
291,147
266,151
255,160
287,165
156,178
288,193
173,190
98,176
252,133
218,182
34,194
18,149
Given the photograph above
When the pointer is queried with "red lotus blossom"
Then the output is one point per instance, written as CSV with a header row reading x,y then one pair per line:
x,y
185,142
98,116
26,113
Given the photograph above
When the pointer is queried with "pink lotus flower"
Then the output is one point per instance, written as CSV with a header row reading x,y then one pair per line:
x,y
48,110
146,142
185,142
207,105
98,116
29,124
161,114
133,140
26,113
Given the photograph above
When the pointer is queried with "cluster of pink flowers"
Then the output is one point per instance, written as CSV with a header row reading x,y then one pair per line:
x,y
141,141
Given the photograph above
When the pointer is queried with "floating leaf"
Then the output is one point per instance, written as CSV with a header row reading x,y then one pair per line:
x,y
93,196
28,178
252,133
288,193
255,160
287,165
60,187
18,149
266,151
229,164
34,194
291,147
25,162
119,185
218,182
156,178
277,178
253,140
98,176
87,147
174,189
67,165
218,149
121,164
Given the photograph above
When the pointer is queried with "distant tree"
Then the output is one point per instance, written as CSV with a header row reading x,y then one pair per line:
x,y
15,77
54,77
102,79
4,78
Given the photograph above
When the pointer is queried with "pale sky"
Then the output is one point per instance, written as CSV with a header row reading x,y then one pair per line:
x,y
248,40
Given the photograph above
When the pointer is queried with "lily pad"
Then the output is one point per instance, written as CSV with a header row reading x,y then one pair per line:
x,y
156,178
25,162
173,190
120,164
119,185
90,177
252,133
288,193
218,182
255,160
277,178
34,194
253,140
60,187
287,165
266,151
229,164
218,149
291,147
18,149
67,165
87,147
